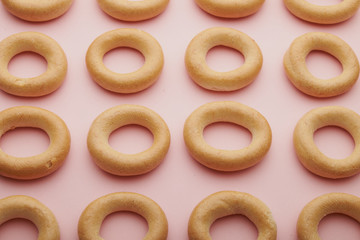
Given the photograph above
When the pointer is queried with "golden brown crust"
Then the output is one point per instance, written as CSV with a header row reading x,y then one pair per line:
x,y
128,82
20,206
305,81
317,209
37,11
227,160
38,43
230,8
92,217
226,203
323,14
201,74
122,164
126,10
45,163
310,155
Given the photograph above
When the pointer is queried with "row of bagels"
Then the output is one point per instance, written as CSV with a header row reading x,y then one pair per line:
x,y
195,62
117,163
211,208
125,10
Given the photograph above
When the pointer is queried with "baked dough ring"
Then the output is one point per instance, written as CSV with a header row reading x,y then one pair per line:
x,y
92,217
230,8
310,155
20,206
227,160
317,209
37,11
122,164
299,75
226,203
323,14
201,74
127,82
38,43
44,163
133,10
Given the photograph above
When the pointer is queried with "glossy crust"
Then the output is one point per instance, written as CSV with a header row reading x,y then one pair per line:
x,y
305,81
45,163
227,160
92,217
323,14
122,164
38,43
37,11
226,203
19,206
126,10
230,8
317,209
201,74
310,155
127,82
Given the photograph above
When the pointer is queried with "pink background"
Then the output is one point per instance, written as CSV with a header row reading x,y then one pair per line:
x,y
180,183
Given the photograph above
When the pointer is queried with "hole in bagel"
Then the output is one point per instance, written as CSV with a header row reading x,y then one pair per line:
x,y
224,59
27,65
131,139
226,135
233,227
24,142
324,3
323,65
339,226
123,225
18,229
334,142
124,60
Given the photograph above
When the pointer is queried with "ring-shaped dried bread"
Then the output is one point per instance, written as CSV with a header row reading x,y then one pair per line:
x,y
230,8
37,11
125,82
204,76
233,112
38,43
330,14
122,164
320,207
126,10
42,164
298,73
92,217
310,155
226,203
19,206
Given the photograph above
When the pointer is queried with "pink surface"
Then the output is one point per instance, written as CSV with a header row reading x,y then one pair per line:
x,y
179,183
